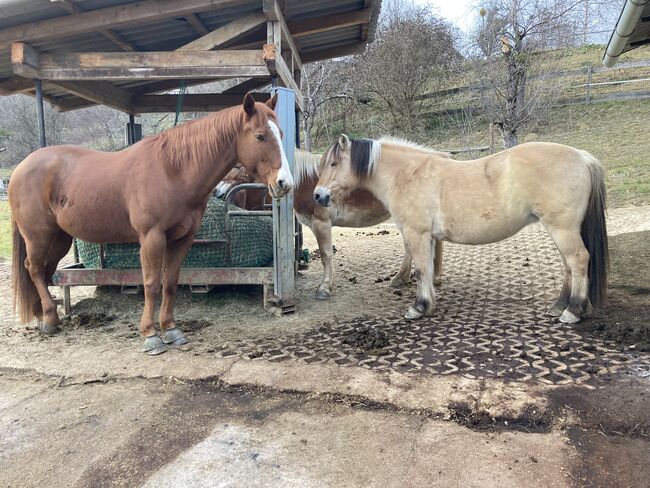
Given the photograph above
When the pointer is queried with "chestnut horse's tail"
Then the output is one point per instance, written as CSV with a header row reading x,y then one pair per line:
x,y
594,236
26,300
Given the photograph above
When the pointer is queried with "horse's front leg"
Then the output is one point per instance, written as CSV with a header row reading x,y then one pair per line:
x,y
421,246
323,231
174,256
152,251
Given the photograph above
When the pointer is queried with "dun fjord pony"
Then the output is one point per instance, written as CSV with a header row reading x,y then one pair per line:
x,y
482,201
154,193
359,208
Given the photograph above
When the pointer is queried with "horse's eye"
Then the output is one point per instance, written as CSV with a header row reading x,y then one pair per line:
x,y
259,137
334,163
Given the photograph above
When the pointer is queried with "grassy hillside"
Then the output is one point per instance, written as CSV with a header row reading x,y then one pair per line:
x,y
614,132
5,230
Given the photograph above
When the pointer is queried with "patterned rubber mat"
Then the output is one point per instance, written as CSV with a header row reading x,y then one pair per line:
x,y
489,321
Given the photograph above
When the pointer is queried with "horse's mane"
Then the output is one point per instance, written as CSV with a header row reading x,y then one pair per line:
x,y
398,141
200,142
306,167
364,154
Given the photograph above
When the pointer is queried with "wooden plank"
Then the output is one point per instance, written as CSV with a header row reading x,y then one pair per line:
x,y
273,13
146,11
196,24
277,66
144,65
98,92
73,8
25,60
191,102
302,28
227,33
248,85
18,84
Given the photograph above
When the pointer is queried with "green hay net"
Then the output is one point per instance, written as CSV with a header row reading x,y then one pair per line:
x,y
252,243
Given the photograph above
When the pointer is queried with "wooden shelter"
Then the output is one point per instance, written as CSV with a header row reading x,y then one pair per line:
x,y
129,55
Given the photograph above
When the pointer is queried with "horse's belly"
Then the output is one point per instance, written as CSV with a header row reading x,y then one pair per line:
x,y
483,230
99,228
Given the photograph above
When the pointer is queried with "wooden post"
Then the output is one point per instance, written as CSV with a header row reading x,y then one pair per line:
x,y
491,132
283,219
588,96
40,112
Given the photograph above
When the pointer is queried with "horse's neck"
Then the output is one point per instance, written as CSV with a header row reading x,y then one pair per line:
x,y
392,170
209,148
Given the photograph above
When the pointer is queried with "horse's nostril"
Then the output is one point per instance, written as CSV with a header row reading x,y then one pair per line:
x,y
282,184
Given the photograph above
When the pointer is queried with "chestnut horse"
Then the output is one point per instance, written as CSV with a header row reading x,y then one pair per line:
x,y
358,209
482,201
154,192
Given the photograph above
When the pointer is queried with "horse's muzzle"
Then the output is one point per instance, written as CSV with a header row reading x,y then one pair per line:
x,y
322,197
281,188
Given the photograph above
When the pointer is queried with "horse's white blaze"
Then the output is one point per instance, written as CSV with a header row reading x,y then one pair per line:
x,y
222,188
285,172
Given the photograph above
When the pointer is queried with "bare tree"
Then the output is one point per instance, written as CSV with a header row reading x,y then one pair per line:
x,y
507,33
411,54
322,83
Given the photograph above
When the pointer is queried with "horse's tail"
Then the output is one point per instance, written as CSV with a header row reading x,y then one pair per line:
x,y
594,236
26,300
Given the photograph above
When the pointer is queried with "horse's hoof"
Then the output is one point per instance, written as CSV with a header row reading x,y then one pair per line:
x,y
437,281
322,294
174,337
555,311
398,282
413,314
154,345
568,317
48,329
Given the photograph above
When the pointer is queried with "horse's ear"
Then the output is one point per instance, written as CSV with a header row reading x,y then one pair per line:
x,y
249,105
344,142
271,102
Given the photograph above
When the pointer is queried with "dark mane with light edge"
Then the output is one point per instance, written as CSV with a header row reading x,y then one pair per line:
x,y
361,155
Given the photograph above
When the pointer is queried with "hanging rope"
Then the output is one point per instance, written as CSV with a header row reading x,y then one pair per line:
x,y
179,101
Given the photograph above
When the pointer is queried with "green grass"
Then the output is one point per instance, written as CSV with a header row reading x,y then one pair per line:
x,y
5,173
5,230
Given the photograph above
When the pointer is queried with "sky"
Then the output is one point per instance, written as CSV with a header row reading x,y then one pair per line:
x,y
458,12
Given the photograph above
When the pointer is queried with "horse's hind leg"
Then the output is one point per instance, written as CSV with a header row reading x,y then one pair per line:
x,y
174,256
563,300
421,246
42,259
570,244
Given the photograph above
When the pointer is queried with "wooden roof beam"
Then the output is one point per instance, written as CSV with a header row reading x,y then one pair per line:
x,y
196,24
277,66
307,27
141,65
203,102
17,84
273,13
99,92
108,18
226,33
73,8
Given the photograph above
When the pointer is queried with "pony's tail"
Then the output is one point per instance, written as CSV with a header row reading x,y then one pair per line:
x,y
594,236
26,300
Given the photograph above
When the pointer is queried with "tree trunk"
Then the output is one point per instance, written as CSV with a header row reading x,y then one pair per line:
x,y
509,138
308,126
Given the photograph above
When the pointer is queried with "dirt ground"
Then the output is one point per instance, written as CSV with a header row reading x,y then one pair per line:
x,y
486,392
